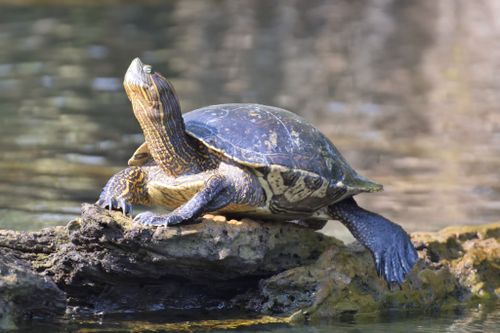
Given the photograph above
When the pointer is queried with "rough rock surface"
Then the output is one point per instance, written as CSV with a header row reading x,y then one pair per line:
x,y
457,266
103,263
24,294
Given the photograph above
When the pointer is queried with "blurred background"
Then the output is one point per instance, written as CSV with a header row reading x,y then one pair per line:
x,y
407,90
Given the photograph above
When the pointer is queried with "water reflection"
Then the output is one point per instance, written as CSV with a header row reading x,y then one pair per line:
x,y
406,90
473,321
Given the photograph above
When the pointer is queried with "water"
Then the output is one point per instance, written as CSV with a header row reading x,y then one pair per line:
x,y
480,320
408,91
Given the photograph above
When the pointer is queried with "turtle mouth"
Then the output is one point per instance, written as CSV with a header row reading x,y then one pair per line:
x,y
138,74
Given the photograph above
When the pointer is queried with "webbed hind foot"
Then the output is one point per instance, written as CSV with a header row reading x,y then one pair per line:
x,y
395,257
389,244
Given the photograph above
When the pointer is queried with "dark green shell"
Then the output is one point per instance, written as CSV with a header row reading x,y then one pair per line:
x,y
263,136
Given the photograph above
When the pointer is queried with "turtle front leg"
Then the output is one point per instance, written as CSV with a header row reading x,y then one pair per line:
x,y
389,244
217,193
124,189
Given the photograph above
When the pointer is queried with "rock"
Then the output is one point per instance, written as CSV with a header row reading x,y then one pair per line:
x,y
24,294
104,263
472,255
457,266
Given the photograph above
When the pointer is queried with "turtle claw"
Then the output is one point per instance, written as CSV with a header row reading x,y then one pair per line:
x,y
125,207
144,218
114,204
148,218
393,263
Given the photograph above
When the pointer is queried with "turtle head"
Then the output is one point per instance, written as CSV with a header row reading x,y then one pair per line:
x,y
157,109
151,95
138,75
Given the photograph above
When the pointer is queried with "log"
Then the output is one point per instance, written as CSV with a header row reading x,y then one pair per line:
x,y
104,263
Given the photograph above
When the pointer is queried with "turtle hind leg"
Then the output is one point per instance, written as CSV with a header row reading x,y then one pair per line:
x,y
124,189
389,244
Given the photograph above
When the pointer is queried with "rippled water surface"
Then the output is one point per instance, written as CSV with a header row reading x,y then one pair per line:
x,y
408,91
472,321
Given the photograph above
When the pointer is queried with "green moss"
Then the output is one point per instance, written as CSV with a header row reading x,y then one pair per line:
x,y
40,261
479,268
464,233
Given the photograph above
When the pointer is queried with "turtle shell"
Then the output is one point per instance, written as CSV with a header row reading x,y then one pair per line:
x,y
264,136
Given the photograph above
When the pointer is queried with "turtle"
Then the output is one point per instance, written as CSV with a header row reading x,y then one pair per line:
x,y
247,160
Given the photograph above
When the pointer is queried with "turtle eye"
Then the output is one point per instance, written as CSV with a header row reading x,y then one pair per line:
x,y
147,69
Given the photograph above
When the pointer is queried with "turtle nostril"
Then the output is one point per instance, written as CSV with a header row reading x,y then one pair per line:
x,y
147,69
